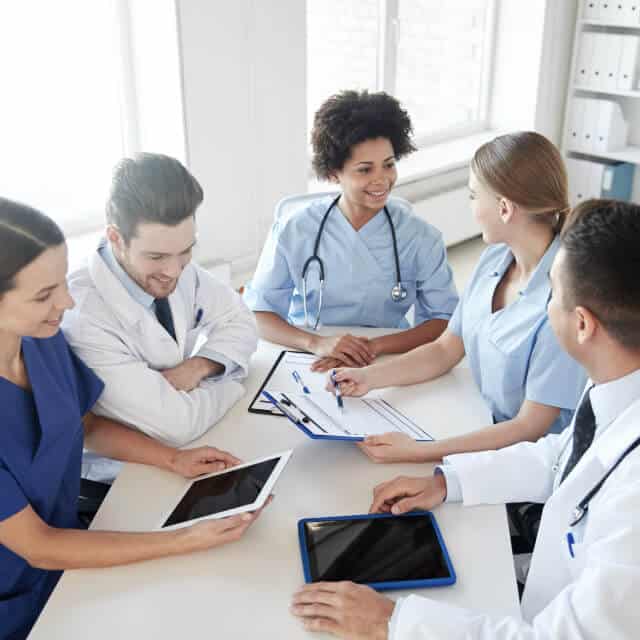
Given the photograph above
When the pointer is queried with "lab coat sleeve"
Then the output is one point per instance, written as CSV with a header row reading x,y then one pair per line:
x,y
519,473
554,378
141,397
597,604
272,286
228,323
436,295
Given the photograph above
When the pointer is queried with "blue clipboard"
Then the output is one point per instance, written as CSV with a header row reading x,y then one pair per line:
x,y
290,410
386,585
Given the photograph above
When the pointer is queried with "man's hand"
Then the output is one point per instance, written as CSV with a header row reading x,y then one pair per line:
x,y
406,494
345,609
188,374
195,462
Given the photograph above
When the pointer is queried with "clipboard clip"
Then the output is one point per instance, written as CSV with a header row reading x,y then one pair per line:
x,y
290,409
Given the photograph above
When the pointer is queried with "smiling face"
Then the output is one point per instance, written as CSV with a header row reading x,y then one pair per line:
x,y
39,298
368,175
156,255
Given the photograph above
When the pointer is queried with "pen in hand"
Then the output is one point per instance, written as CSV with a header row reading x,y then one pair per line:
x,y
298,378
336,387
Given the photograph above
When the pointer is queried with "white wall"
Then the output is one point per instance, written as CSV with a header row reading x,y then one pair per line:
x,y
243,79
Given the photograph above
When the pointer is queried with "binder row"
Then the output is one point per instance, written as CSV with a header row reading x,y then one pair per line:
x,y
607,61
625,12
599,179
596,125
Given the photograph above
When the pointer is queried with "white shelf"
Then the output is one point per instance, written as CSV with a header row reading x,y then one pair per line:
x,y
628,154
612,92
600,23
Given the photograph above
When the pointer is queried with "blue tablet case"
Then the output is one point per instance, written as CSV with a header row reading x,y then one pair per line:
x,y
383,586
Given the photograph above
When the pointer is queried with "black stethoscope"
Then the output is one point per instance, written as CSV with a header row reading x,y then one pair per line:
x,y
398,291
583,506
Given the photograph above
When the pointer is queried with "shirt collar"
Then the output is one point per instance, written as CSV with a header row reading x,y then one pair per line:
x,y
611,399
540,275
134,289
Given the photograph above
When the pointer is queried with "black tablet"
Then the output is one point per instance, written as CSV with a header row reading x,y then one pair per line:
x,y
380,550
245,487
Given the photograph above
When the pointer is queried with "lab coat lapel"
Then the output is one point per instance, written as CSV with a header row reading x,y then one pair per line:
x,y
158,346
552,567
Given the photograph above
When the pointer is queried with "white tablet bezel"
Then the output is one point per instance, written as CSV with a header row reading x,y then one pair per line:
x,y
253,506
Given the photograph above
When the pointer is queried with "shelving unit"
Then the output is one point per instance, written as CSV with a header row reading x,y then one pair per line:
x,y
628,99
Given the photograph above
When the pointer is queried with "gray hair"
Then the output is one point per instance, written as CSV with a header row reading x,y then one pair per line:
x,y
150,187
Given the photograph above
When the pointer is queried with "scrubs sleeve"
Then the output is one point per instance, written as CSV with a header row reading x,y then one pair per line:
x,y
553,378
436,295
272,286
87,384
455,324
12,498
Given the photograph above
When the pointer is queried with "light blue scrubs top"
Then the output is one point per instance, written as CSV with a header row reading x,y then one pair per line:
x,y
359,269
513,353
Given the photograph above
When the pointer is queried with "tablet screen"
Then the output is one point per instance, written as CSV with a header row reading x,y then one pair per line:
x,y
229,490
372,550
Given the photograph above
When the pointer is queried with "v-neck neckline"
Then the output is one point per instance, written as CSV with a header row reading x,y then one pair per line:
x,y
28,392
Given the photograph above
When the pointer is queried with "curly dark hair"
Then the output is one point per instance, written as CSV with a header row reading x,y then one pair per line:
x,y
351,117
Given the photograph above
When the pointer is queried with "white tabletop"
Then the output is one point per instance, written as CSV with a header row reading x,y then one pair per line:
x,y
243,590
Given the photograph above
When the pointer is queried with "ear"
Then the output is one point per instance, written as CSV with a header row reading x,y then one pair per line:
x,y
115,238
586,325
333,177
506,210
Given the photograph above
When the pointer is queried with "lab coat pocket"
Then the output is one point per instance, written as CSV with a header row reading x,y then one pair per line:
x,y
575,548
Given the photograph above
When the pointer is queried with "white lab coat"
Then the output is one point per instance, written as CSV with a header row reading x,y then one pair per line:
x,y
591,595
126,346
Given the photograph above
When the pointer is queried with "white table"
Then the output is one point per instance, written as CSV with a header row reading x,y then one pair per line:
x,y
243,590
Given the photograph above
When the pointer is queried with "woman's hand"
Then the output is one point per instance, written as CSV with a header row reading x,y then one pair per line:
x,y
406,494
348,610
196,462
351,350
353,382
393,447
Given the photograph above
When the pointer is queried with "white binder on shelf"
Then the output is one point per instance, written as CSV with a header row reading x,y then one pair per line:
x,y
613,53
585,55
628,62
589,124
631,12
606,10
590,9
578,176
610,128
594,185
596,74
575,124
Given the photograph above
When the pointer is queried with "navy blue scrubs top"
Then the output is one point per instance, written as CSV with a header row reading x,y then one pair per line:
x,y
41,439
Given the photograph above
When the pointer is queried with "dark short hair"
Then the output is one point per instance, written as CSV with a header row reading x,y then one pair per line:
x,y
601,240
150,187
351,117
25,233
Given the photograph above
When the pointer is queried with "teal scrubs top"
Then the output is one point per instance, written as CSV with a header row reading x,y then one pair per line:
x,y
359,269
40,457
513,353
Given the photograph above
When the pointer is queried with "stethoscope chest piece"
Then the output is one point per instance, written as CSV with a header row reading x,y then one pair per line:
x,y
398,292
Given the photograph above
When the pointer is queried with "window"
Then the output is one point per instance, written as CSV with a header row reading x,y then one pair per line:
x,y
61,128
433,55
